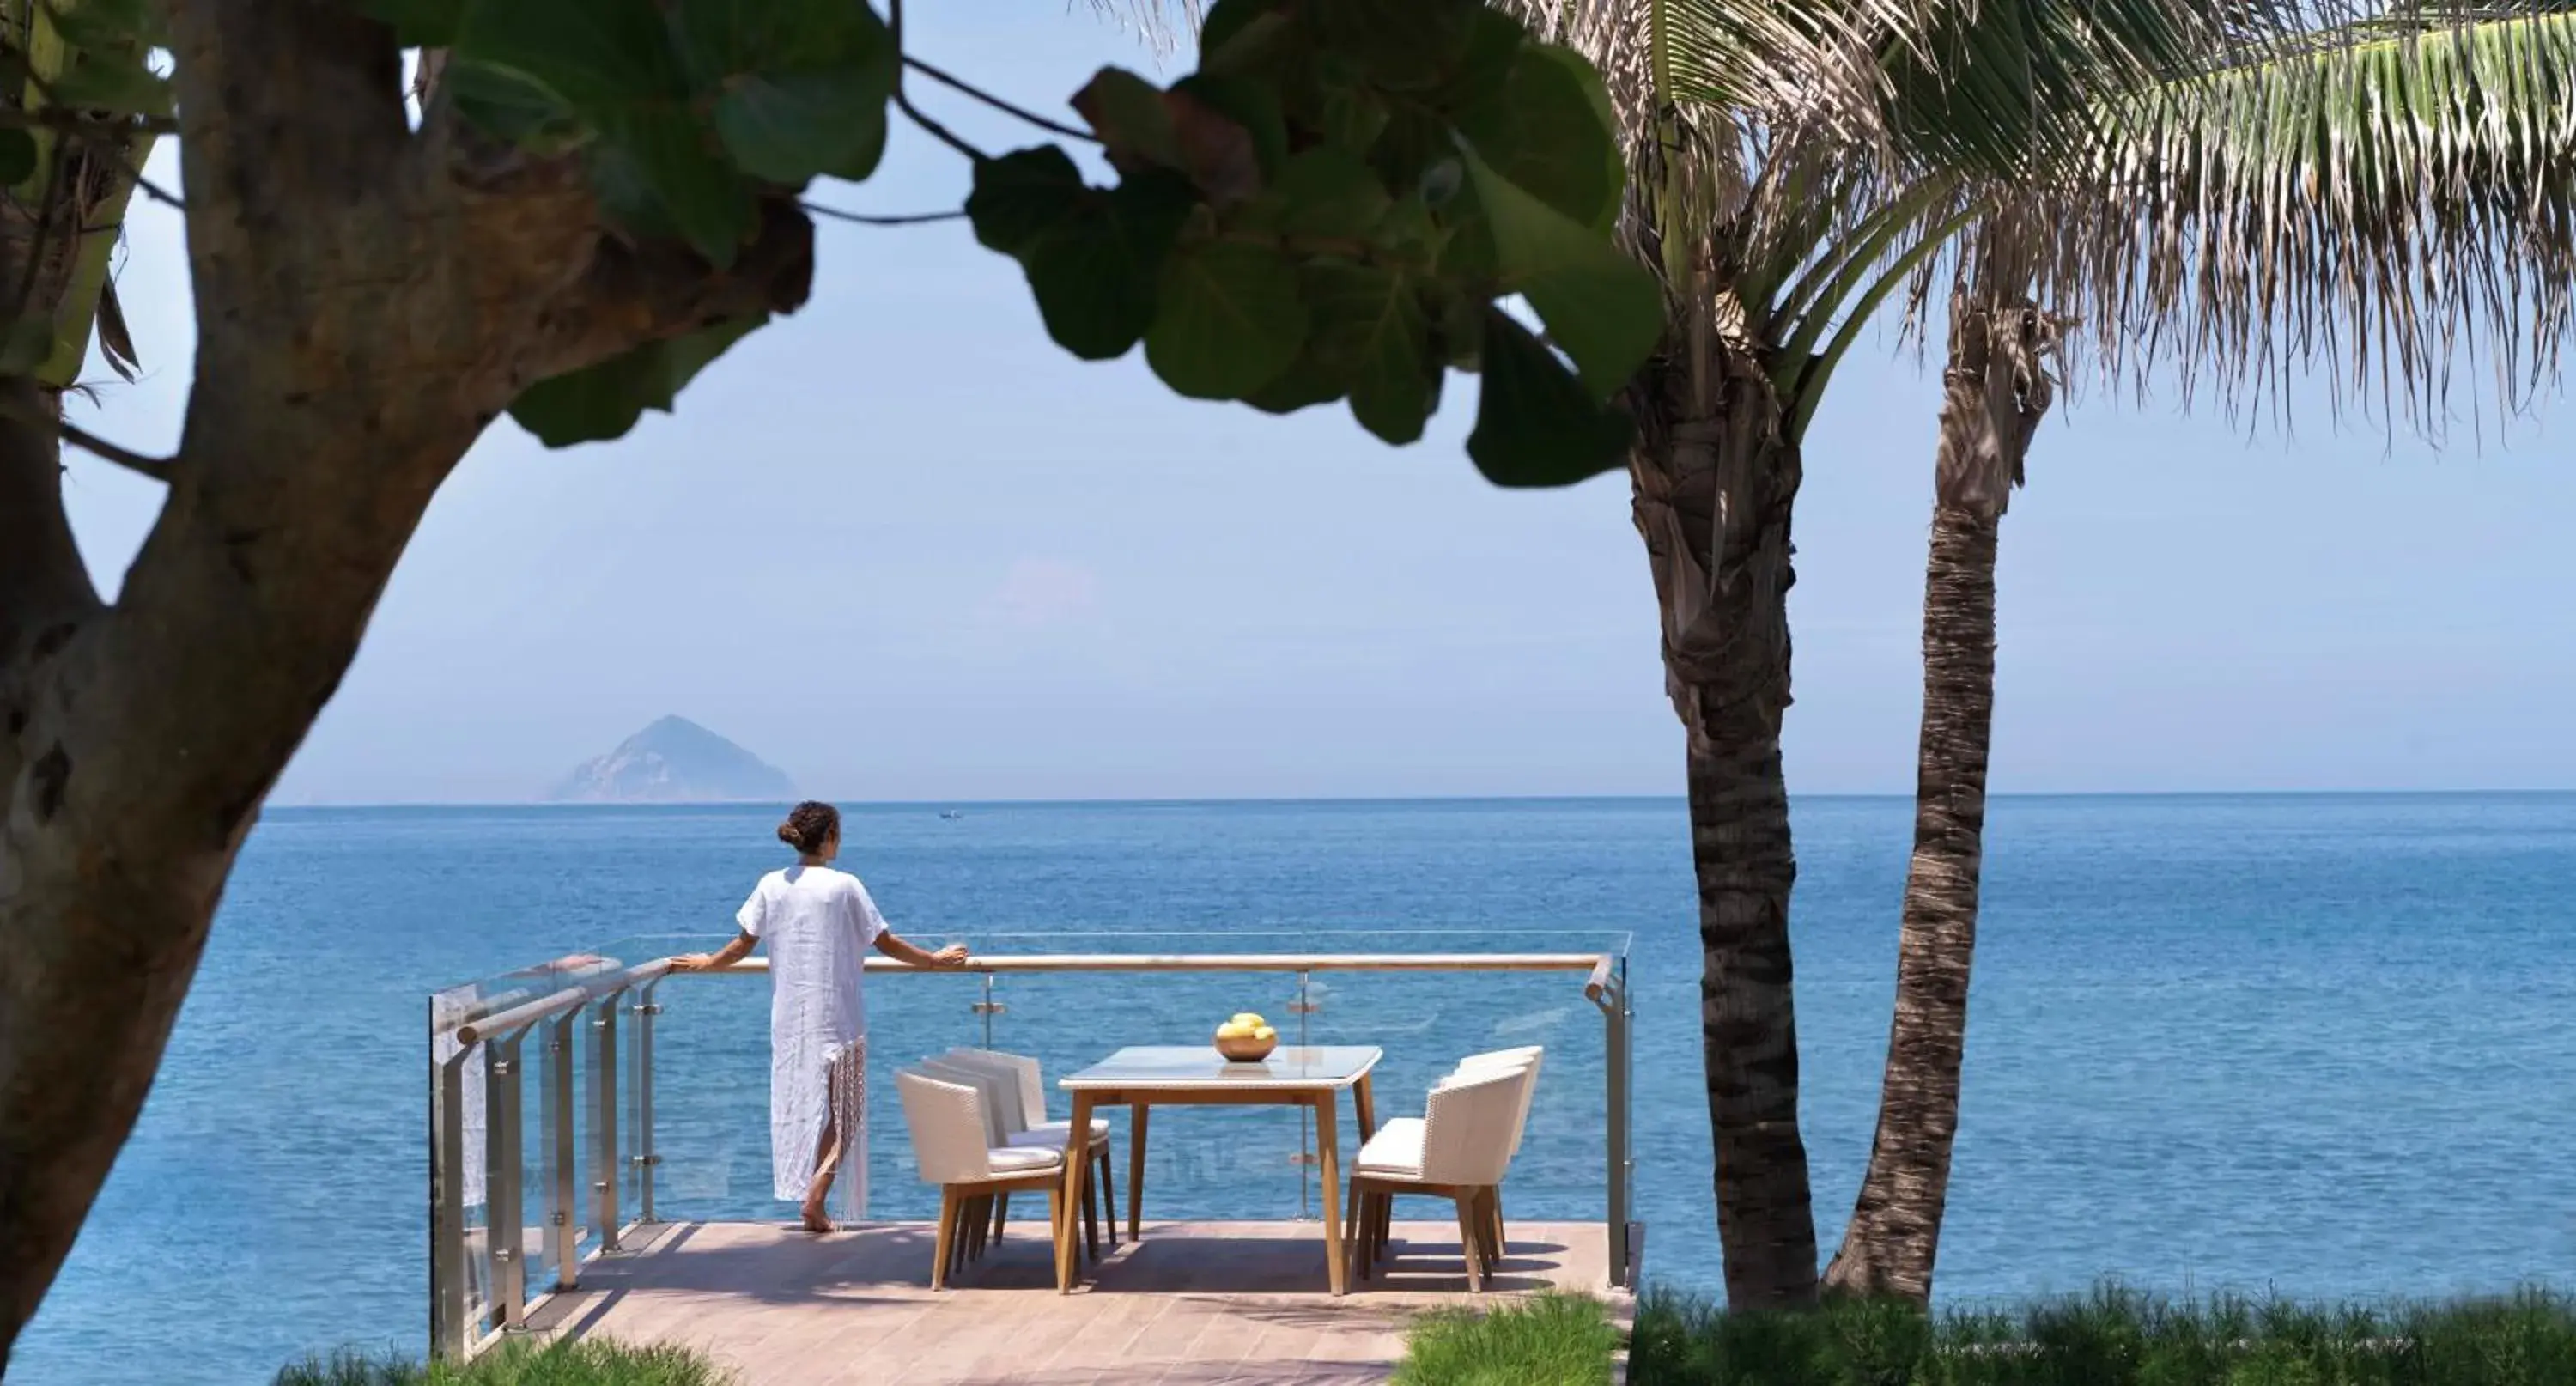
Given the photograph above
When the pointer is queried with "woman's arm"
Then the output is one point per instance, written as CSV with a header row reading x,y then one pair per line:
x,y
718,960
905,951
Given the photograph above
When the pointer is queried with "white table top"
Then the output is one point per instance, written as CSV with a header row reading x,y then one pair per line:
x,y
1199,1066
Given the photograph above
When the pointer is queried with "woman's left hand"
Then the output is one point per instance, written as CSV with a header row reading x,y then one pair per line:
x,y
950,956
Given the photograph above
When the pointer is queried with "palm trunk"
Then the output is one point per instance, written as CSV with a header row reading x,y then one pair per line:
x,y
1994,397
1714,478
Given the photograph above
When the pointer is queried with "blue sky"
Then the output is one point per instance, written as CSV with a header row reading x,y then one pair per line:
x,y
905,548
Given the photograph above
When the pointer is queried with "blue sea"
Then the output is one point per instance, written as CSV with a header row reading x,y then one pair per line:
x,y
2318,1045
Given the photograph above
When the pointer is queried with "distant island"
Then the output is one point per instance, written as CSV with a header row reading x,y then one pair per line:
x,y
675,761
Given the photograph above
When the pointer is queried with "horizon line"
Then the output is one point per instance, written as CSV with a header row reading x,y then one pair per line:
x,y
1075,801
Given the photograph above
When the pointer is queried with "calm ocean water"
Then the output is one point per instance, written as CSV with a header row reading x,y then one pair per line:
x,y
2324,1045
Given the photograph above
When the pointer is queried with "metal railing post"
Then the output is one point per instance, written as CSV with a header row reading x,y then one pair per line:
x,y
504,1236
646,1158
988,1008
1620,1018
1307,1160
563,1154
447,1275
603,1120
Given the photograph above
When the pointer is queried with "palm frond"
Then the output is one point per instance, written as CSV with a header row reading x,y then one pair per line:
x,y
2376,200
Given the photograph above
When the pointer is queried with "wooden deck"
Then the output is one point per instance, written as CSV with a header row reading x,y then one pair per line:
x,y
1194,1303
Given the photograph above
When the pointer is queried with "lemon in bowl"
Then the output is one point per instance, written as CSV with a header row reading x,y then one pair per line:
x,y
1246,1039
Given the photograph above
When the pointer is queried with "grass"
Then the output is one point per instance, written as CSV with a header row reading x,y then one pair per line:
x,y
579,1363
1546,1340
2114,1337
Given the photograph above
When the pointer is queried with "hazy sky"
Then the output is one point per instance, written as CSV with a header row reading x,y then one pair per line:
x,y
904,547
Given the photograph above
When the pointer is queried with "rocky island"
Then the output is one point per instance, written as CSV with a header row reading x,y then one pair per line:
x,y
675,761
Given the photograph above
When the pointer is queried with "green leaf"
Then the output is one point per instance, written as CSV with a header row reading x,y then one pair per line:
x,y
702,198
1095,272
507,104
1128,114
1370,331
1548,129
1536,425
1240,36
1330,192
801,85
601,56
1023,195
1229,320
17,157
1412,45
1600,306
604,401
418,23
792,127
25,345
1303,385
106,80
1252,105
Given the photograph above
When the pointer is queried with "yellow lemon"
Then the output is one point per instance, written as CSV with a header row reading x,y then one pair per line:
x,y
1265,1033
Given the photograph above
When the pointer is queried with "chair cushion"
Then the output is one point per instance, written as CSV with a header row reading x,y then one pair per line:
x,y
1395,1149
1050,1137
1024,1159
1056,1129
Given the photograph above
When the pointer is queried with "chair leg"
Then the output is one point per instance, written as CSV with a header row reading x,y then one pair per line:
x,y
1001,1216
1091,1219
1502,1239
1062,1229
947,1231
979,1221
1385,1213
1108,1196
1351,1243
1467,1243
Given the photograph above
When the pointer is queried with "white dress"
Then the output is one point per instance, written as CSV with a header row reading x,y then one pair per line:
x,y
819,925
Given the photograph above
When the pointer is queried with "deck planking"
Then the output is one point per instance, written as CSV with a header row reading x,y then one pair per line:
x,y
1192,1304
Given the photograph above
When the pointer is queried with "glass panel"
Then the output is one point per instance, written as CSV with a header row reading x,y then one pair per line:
x,y
710,1052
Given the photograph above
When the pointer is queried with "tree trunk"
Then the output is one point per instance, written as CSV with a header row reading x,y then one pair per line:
x,y
367,299
1995,392
1714,476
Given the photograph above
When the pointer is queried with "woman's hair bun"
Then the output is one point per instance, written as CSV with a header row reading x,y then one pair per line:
x,y
809,825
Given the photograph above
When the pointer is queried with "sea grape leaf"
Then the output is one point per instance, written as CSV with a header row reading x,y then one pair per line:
x,y
1328,191
1547,129
604,401
1128,114
418,23
1370,331
1536,425
1603,308
1229,320
1094,268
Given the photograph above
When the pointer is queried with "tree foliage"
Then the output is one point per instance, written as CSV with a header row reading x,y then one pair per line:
x,y
1334,206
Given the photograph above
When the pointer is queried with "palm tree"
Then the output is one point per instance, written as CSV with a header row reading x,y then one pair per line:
x,y
1790,166
2484,116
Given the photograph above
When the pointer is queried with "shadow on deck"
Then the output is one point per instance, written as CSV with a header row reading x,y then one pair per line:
x,y
1196,1303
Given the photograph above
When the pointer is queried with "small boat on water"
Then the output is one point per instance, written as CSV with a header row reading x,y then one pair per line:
x,y
950,813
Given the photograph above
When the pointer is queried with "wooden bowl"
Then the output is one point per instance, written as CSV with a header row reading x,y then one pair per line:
x,y
1244,1049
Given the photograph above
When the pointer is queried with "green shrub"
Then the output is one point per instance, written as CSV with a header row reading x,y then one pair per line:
x,y
583,1362
2113,1337
1546,1340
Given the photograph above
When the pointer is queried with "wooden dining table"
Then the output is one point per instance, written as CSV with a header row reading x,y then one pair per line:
x,y
1142,1077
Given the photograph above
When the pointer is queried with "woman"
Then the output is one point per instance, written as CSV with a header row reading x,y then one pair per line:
x,y
819,923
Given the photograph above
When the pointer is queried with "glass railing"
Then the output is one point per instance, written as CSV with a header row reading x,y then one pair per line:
x,y
573,1101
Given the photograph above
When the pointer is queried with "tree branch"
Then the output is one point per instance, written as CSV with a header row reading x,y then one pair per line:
x,y
965,88
865,219
157,468
903,102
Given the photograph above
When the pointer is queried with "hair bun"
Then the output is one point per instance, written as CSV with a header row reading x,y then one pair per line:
x,y
787,834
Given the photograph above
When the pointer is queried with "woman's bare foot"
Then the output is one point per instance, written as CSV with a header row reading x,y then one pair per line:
x,y
817,1222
